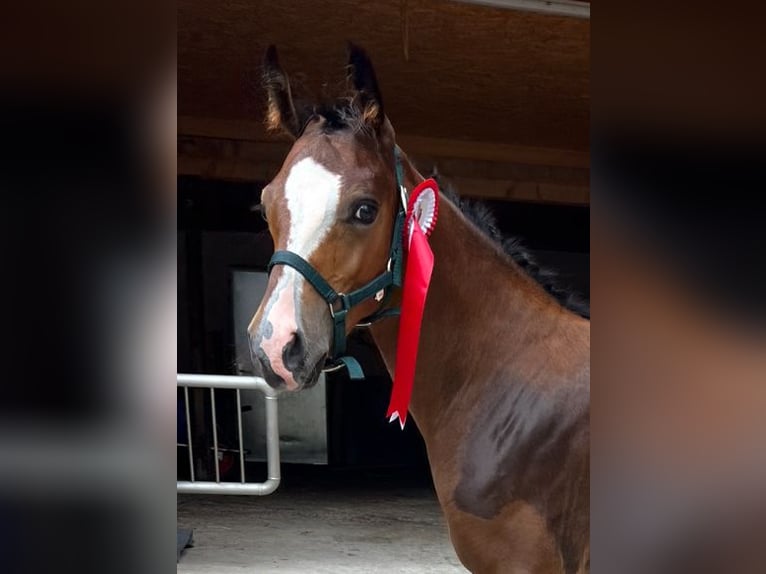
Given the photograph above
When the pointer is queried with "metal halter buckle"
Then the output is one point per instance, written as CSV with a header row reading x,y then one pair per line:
x,y
332,309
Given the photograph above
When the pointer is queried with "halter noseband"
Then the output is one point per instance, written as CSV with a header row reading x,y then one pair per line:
x,y
340,303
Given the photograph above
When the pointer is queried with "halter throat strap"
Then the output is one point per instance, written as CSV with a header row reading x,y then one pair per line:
x,y
340,304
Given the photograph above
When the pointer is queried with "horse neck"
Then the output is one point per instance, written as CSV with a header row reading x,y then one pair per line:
x,y
479,307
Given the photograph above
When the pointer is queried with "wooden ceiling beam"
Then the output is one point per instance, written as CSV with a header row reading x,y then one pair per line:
x,y
411,144
528,191
476,169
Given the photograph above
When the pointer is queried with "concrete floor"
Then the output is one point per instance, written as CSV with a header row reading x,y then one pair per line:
x,y
320,522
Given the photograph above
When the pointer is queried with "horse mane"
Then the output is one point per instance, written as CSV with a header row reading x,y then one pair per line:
x,y
484,219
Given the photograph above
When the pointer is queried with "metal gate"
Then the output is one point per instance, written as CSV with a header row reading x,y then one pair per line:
x,y
214,382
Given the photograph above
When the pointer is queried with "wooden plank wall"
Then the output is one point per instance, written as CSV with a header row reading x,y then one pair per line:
x,y
242,151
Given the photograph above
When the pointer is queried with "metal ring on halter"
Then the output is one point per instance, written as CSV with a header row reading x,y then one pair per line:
x,y
403,193
333,368
330,305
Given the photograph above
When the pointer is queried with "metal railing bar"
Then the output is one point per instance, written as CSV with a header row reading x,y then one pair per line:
x,y
272,435
241,443
215,437
189,433
231,488
272,438
227,382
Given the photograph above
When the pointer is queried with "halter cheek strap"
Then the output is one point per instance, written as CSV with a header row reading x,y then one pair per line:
x,y
340,304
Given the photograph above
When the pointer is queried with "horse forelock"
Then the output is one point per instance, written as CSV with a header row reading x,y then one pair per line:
x,y
336,115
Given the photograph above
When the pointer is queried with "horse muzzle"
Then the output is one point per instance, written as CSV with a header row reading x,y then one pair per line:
x,y
286,365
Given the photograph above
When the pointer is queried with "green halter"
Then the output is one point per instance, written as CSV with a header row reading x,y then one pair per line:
x,y
340,303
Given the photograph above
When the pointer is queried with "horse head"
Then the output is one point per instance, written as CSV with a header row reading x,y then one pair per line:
x,y
331,211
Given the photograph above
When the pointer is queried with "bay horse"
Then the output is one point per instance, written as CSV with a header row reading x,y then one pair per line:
x,y
502,385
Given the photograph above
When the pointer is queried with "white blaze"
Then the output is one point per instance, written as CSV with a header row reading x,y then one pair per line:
x,y
312,193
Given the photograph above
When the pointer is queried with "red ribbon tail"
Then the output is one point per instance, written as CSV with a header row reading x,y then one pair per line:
x,y
417,277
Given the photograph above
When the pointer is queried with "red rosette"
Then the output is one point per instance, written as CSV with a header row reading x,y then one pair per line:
x,y
423,208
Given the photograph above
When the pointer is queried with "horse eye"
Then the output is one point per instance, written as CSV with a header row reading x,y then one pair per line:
x,y
366,213
262,211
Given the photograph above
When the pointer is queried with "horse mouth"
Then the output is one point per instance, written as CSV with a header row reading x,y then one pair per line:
x,y
313,377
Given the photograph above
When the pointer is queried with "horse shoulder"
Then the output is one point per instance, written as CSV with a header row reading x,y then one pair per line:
x,y
528,447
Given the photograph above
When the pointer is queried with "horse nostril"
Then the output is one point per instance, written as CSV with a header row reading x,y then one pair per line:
x,y
293,352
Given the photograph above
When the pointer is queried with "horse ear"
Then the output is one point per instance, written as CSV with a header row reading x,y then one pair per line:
x,y
367,96
281,112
